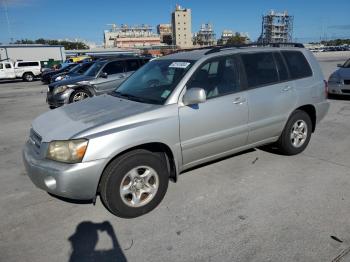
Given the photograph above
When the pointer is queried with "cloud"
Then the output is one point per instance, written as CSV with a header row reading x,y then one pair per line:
x,y
340,27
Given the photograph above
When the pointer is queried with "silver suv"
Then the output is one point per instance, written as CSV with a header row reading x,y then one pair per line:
x,y
174,113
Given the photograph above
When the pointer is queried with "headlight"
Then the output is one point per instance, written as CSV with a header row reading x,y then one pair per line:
x,y
334,78
60,89
68,151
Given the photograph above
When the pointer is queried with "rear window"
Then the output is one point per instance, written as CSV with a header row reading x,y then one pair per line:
x,y
260,69
297,64
23,64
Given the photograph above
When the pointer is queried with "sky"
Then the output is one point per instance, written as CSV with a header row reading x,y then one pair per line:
x,y
60,19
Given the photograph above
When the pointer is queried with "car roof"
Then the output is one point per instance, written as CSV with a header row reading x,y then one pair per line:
x,y
196,54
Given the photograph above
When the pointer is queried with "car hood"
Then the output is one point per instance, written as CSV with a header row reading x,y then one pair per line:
x,y
72,80
344,73
68,121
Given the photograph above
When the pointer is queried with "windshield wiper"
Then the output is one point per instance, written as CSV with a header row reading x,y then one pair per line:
x,y
135,98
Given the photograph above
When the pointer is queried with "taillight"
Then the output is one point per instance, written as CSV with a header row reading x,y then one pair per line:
x,y
325,88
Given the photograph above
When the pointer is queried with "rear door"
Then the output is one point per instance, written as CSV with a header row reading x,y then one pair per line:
x,y
115,76
219,125
271,95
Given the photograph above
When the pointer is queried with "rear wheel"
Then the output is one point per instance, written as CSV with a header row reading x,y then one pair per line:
x,y
28,77
296,134
79,95
134,183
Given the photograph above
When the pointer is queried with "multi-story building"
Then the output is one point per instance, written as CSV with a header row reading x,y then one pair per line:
x,y
276,27
166,33
130,36
182,27
205,36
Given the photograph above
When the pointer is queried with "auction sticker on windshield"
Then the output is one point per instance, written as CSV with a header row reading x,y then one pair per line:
x,y
179,64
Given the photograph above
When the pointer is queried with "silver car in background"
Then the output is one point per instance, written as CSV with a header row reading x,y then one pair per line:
x,y
339,81
172,114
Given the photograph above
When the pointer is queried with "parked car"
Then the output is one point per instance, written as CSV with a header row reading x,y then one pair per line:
x,y
103,76
26,70
174,113
339,81
47,75
77,70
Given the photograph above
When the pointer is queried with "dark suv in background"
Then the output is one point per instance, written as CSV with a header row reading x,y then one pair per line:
x,y
77,70
103,76
48,74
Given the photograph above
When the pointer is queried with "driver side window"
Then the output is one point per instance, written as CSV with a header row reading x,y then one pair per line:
x,y
115,67
217,77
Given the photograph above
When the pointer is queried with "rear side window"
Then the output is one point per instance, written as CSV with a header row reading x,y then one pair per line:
x,y
132,65
115,67
1,66
281,67
260,69
23,64
7,65
297,64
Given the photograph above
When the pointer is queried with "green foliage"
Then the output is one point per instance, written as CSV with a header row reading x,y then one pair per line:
x,y
68,45
237,39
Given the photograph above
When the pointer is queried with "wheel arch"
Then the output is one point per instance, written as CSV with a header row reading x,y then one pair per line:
x,y
311,111
153,147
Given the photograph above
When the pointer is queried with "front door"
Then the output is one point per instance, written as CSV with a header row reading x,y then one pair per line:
x,y
219,125
9,71
115,71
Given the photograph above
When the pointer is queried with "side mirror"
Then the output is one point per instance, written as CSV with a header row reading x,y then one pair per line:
x,y
339,65
194,96
104,75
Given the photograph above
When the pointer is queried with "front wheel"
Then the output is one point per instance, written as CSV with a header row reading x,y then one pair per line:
x,y
79,95
296,134
134,183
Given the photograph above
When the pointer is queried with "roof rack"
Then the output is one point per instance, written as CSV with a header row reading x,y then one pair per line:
x,y
280,44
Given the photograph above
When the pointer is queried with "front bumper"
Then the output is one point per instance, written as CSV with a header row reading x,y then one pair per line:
x,y
74,181
59,99
338,89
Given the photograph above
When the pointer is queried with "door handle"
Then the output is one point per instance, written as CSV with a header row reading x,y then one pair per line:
x,y
286,89
239,100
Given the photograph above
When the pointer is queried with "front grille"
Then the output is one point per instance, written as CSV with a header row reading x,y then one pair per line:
x,y
347,82
35,140
346,91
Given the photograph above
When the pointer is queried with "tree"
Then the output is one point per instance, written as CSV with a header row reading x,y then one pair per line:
x,y
68,45
237,39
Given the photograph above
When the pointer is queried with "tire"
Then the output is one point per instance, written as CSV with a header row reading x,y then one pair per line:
x,y
118,191
82,93
28,77
294,138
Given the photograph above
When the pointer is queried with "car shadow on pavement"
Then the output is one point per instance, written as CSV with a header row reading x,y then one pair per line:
x,y
338,97
85,239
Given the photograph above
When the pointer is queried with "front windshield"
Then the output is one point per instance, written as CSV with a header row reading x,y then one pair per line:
x,y
94,69
154,82
347,64
75,69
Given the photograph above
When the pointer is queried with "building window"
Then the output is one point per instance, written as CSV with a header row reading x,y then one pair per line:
x,y
178,23
185,28
178,29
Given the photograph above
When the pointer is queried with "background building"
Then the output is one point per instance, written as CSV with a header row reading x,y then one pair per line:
x,y
205,36
166,33
276,27
130,36
181,22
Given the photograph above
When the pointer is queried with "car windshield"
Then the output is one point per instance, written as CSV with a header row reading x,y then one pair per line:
x,y
94,69
347,64
154,82
80,68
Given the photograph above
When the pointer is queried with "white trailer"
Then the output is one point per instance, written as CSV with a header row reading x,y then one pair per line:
x,y
46,54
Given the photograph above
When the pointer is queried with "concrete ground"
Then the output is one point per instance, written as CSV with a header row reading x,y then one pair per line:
x,y
256,206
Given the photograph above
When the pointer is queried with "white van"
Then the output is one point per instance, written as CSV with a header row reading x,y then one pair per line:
x,y
27,70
